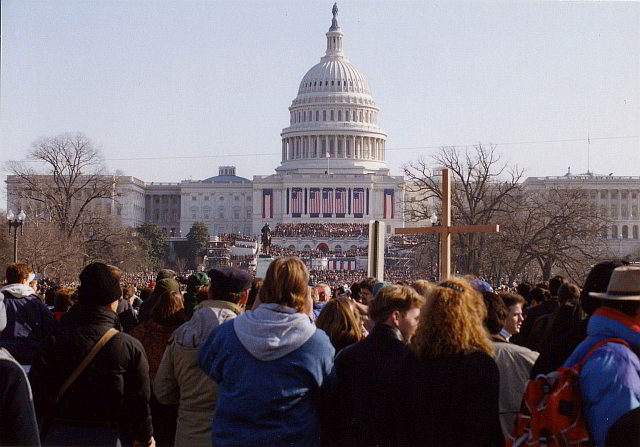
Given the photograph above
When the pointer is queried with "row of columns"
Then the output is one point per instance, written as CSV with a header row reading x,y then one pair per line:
x,y
338,146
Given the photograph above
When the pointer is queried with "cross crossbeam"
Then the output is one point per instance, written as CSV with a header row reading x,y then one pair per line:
x,y
445,230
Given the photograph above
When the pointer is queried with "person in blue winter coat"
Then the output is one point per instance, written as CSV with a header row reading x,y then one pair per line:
x,y
610,377
269,365
28,320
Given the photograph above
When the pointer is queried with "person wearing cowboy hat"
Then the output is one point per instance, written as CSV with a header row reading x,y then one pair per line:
x,y
610,377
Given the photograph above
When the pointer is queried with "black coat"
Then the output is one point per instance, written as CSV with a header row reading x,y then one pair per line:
x,y
555,352
532,314
451,401
17,418
114,389
364,372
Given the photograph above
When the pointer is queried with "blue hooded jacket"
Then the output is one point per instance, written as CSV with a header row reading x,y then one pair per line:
x,y
28,322
610,377
269,364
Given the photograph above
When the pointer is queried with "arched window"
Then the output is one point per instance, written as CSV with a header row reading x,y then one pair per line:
x,y
339,115
292,247
625,232
324,115
338,248
346,117
317,115
614,231
331,115
635,232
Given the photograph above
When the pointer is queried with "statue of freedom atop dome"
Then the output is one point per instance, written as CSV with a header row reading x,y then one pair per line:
x,y
334,21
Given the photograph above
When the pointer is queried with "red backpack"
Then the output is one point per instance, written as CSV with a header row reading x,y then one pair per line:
x,y
551,411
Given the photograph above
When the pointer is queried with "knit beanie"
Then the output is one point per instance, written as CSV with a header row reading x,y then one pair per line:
x,y
165,285
99,284
379,285
197,279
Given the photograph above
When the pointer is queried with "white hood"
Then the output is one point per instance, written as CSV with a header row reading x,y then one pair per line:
x,y
272,331
192,333
208,315
18,290
3,313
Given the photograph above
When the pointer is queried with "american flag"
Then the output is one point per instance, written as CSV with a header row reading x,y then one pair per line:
x,y
358,201
315,201
266,203
297,201
327,201
341,201
388,204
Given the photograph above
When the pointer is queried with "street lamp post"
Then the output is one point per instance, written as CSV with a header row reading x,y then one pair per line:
x,y
14,222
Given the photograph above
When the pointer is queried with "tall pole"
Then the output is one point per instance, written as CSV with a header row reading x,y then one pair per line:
x,y
15,245
445,236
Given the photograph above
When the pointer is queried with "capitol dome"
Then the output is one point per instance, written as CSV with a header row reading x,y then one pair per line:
x,y
333,75
333,119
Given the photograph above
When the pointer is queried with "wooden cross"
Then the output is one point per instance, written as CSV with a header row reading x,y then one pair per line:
x,y
446,229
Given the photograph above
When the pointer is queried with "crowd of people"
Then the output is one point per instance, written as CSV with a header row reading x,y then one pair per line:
x,y
326,230
226,359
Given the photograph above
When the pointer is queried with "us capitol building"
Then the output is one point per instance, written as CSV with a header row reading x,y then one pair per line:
x,y
332,170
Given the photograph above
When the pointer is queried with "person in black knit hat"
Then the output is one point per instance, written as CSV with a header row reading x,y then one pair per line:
x,y
109,400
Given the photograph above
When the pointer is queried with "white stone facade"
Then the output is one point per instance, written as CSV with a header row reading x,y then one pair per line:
x,y
333,153
333,113
616,197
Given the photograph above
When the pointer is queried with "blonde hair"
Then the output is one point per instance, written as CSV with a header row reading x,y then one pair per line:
x,y
392,298
452,321
286,284
423,287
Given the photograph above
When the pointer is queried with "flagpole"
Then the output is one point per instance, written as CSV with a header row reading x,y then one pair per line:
x,y
328,156
588,152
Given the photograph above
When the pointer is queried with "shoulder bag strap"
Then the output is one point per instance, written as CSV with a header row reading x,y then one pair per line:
x,y
599,345
85,362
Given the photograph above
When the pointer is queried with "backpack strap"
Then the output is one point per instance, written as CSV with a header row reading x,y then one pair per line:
x,y
599,345
85,362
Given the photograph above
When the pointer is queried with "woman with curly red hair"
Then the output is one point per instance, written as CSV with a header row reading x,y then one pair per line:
x,y
448,388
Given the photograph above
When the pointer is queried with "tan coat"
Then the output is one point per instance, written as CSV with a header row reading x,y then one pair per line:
x,y
515,363
180,380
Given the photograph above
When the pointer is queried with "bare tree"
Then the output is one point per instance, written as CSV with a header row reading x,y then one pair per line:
x,y
555,229
48,250
71,183
482,185
70,198
181,265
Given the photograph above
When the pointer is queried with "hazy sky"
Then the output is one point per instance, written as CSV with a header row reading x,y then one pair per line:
x,y
212,80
